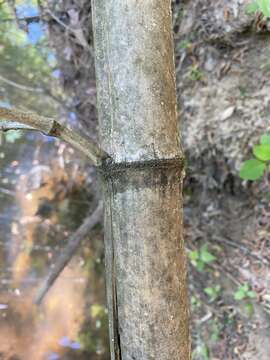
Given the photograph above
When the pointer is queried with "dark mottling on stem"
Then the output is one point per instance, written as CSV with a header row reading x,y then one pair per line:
x,y
56,129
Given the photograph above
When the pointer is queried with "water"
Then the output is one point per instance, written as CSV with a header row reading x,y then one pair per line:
x,y
42,202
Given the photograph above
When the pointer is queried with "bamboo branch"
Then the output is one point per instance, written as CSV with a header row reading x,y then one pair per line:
x,y
10,125
12,119
73,244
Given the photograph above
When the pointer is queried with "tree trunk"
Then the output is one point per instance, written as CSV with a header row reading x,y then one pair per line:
x,y
145,261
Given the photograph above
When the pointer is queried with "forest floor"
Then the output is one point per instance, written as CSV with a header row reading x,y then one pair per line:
x,y
223,83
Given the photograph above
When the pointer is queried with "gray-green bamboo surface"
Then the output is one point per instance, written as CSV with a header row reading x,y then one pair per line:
x,y
145,260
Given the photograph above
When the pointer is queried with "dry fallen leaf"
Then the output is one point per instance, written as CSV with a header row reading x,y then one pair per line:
x,y
227,113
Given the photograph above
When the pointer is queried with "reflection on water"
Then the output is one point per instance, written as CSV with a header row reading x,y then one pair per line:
x,y
39,199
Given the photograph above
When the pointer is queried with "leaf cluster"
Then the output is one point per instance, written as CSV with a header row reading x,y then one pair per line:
x,y
201,257
213,292
243,292
254,168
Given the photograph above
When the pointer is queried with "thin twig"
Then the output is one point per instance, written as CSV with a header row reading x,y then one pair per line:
x,y
73,244
60,22
19,86
78,33
44,91
230,242
14,119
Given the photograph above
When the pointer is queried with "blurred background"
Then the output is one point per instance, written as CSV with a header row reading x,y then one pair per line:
x,y
47,189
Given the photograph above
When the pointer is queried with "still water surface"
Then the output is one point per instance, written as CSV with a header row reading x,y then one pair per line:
x,y
41,204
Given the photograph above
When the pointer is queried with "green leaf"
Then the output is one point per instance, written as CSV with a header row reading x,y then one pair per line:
x,y
249,309
262,152
193,255
244,287
252,7
215,330
194,300
264,7
243,292
252,170
215,336
251,294
265,139
203,351
205,255
239,295
184,44
200,266
210,291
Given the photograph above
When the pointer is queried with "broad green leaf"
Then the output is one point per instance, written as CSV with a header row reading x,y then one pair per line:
x,y
200,266
193,255
244,287
264,7
210,291
265,139
251,294
205,255
262,152
252,169
252,7
239,295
